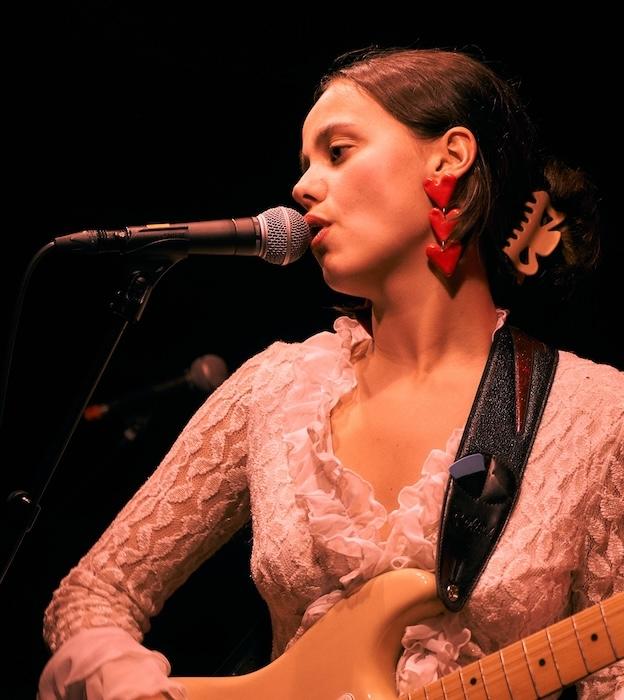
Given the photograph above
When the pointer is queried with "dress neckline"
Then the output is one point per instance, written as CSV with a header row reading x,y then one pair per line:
x,y
343,514
358,336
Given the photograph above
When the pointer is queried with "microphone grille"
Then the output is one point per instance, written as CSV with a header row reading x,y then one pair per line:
x,y
207,372
286,235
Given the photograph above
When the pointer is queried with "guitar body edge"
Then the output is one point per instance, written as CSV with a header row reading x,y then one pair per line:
x,y
334,656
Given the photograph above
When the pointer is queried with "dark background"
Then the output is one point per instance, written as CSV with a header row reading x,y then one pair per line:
x,y
122,113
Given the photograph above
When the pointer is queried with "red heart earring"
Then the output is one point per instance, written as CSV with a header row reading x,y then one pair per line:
x,y
446,253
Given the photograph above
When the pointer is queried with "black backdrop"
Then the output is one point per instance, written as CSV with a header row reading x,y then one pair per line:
x,y
119,113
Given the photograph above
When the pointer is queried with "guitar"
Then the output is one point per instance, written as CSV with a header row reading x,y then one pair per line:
x,y
333,659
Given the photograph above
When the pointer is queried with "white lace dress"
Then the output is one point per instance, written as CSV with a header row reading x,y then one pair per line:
x,y
261,446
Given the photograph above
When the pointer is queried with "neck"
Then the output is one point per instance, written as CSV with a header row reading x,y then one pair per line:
x,y
426,325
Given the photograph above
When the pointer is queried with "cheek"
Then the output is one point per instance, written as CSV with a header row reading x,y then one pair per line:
x,y
360,186
388,185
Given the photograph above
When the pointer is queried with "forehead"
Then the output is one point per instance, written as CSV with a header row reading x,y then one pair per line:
x,y
344,102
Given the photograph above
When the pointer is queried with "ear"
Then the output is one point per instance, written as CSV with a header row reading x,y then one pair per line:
x,y
454,152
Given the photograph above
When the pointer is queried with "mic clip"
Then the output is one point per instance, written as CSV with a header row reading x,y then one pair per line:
x,y
129,302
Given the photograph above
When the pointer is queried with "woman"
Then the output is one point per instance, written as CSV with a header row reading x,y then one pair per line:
x,y
422,182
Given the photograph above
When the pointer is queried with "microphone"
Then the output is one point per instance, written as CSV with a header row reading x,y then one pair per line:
x,y
279,235
206,373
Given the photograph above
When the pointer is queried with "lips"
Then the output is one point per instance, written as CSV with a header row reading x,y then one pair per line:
x,y
318,226
315,221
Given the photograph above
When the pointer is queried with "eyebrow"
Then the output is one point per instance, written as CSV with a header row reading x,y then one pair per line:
x,y
321,137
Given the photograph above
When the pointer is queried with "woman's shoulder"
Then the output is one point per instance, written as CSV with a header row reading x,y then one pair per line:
x,y
591,395
319,353
589,378
346,333
583,423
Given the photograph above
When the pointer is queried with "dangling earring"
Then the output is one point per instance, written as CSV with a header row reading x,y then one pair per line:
x,y
445,253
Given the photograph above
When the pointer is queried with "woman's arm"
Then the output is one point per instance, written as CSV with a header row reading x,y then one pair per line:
x,y
189,507
604,549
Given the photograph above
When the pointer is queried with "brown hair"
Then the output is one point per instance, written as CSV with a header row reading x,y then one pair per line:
x,y
432,90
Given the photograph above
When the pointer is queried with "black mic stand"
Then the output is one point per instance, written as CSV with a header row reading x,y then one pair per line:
x,y
22,506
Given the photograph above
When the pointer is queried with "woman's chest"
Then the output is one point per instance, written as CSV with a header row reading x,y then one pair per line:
x,y
387,441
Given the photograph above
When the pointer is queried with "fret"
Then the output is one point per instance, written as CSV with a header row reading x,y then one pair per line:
x,y
416,694
472,682
593,639
517,672
541,664
613,614
494,677
453,689
566,650
434,691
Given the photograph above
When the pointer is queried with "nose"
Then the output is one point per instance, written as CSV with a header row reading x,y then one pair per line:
x,y
310,189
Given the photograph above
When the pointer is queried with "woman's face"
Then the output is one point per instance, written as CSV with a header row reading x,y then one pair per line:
x,y
362,185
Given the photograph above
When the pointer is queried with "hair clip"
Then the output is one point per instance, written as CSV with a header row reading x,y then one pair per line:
x,y
535,236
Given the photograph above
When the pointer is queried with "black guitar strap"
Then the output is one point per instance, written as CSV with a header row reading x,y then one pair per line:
x,y
485,478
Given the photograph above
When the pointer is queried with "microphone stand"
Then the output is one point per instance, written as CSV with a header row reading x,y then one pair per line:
x,y
23,506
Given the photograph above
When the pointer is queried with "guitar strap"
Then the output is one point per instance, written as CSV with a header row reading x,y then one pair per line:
x,y
484,481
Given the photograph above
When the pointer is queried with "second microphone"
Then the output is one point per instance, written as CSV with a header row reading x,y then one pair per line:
x,y
205,374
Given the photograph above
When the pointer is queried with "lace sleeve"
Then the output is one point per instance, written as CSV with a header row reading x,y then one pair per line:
x,y
603,575
188,508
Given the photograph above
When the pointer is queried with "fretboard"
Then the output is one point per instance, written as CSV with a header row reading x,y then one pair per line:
x,y
542,663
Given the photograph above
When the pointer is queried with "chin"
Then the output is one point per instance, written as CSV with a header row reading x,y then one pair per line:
x,y
350,284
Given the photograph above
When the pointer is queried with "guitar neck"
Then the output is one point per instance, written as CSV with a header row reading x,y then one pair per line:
x,y
542,663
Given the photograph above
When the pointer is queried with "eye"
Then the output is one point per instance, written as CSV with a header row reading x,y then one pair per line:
x,y
336,152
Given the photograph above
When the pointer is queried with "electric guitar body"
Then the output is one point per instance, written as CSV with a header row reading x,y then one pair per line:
x,y
352,651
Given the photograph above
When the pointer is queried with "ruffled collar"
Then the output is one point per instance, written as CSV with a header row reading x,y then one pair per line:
x,y
344,516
